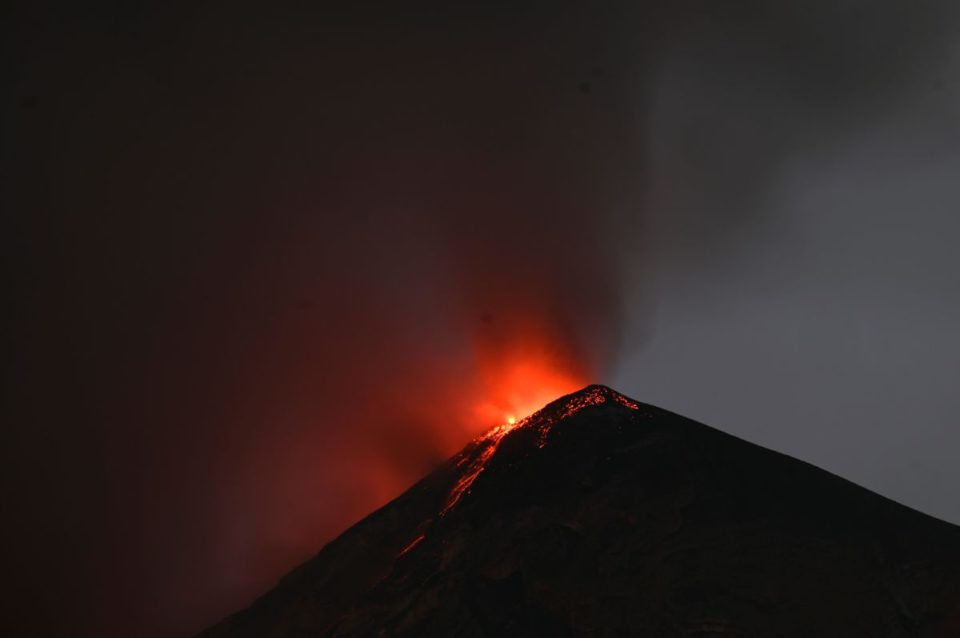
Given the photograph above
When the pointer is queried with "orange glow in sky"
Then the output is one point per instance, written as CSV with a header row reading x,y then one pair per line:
x,y
522,387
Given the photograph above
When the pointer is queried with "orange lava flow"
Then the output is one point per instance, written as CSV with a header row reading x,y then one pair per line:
x,y
541,421
519,372
411,545
489,441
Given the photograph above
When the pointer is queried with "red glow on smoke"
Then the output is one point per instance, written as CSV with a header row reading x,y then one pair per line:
x,y
522,387
523,360
521,365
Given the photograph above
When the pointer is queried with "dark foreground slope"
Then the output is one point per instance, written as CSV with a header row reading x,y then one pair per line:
x,y
602,517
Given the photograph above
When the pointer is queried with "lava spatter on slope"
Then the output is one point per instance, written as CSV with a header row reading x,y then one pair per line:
x,y
541,421
411,544
488,444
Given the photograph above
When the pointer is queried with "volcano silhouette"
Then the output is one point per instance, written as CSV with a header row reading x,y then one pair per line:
x,y
600,516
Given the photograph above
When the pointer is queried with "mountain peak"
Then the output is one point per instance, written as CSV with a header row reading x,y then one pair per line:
x,y
591,395
477,455
597,515
564,407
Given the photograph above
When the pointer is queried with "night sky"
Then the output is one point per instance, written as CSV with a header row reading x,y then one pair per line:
x,y
267,265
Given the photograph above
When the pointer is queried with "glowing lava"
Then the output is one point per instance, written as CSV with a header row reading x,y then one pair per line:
x,y
411,545
535,377
541,421
488,444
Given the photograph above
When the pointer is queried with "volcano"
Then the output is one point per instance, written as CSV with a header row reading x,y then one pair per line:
x,y
602,516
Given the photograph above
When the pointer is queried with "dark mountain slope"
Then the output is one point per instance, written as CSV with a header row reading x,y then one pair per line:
x,y
599,516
